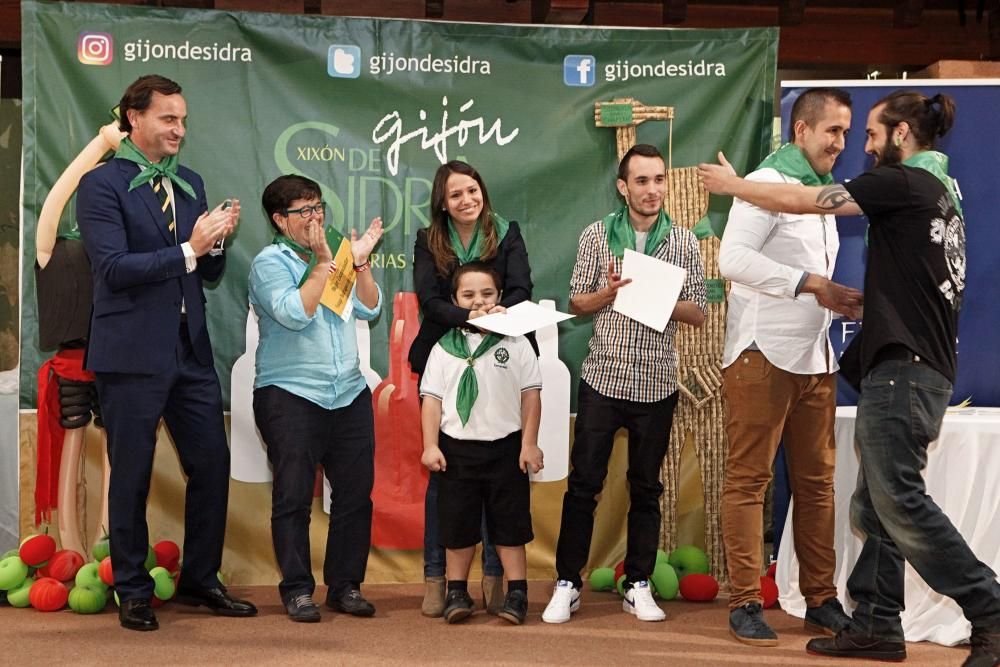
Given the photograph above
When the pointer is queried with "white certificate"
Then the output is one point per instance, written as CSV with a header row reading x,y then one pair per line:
x,y
520,319
651,296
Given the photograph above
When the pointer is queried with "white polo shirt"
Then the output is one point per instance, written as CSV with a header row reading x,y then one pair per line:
x,y
503,372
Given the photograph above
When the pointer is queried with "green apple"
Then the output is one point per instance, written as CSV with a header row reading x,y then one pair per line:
x,y
688,560
101,549
89,577
163,583
12,572
18,597
87,600
665,581
12,552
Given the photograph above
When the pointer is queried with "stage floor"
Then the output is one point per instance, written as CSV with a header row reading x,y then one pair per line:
x,y
599,634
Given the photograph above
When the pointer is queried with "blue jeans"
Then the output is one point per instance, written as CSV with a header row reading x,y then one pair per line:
x,y
434,553
900,410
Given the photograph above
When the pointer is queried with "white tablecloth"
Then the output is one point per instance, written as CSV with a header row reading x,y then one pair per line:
x,y
963,477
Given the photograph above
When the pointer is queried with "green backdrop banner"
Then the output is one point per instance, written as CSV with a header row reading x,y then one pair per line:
x,y
370,108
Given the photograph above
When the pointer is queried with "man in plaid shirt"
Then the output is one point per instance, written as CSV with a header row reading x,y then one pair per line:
x,y
629,379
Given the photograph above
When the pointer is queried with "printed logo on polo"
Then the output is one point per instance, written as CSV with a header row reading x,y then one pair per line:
x,y
343,61
501,355
95,48
579,70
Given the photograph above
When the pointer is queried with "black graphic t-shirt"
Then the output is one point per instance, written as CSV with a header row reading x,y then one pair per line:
x,y
915,275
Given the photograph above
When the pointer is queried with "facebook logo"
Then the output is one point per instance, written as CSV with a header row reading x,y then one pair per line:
x,y
579,70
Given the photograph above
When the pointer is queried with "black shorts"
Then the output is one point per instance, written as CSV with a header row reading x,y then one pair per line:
x,y
483,476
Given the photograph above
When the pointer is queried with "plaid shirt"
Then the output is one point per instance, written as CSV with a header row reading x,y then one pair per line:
x,y
629,360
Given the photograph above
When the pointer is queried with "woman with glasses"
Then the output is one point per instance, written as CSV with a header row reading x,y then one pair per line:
x,y
311,403
464,228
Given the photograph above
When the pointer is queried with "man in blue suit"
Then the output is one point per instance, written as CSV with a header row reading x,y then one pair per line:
x,y
151,242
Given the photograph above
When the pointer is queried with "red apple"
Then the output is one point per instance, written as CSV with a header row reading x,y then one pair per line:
x,y
104,570
63,565
168,554
48,594
36,549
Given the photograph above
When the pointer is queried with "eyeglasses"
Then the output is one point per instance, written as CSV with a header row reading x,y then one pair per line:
x,y
306,211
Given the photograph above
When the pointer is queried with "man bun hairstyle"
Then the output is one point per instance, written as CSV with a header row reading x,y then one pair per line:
x,y
928,117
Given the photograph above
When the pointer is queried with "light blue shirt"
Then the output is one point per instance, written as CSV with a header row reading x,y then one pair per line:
x,y
312,357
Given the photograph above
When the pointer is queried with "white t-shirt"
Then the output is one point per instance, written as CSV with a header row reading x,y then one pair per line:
x,y
503,372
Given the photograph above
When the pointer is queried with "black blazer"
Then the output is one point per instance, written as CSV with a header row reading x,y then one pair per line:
x,y
139,271
434,291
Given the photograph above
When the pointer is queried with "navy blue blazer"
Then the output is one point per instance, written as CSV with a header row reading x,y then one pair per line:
x,y
139,272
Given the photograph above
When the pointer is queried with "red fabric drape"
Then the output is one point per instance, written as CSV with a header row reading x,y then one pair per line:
x,y
66,364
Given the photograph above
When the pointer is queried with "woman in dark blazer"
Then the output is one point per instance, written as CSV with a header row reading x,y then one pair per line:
x,y
463,228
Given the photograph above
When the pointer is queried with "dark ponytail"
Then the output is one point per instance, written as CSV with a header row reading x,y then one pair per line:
x,y
928,117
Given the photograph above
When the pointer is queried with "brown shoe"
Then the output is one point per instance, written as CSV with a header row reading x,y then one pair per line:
x,y
493,594
433,604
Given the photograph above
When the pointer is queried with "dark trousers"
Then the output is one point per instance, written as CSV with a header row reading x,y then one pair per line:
x,y
900,410
188,397
299,436
598,418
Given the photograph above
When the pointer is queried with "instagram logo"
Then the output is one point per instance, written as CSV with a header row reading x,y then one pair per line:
x,y
95,48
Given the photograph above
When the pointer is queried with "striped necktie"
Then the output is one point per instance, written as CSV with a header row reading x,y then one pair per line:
x,y
164,198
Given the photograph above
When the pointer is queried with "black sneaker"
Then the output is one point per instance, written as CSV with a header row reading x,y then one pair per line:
x,y
747,624
515,607
851,644
351,602
827,619
457,606
302,609
985,649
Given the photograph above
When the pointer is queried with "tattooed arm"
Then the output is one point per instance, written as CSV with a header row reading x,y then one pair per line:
x,y
782,197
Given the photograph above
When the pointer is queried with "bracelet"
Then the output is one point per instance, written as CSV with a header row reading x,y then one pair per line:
x,y
360,268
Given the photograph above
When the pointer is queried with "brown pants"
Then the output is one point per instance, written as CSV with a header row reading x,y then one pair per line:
x,y
768,405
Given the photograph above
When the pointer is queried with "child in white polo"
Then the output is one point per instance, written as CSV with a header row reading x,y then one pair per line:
x,y
481,407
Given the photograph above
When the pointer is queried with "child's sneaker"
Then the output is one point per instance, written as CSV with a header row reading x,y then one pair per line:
x,y
639,601
457,606
565,600
515,607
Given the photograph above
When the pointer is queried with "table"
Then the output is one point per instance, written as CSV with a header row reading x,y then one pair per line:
x,y
963,477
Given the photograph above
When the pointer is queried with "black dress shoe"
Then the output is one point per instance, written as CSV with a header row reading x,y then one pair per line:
x,y
350,602
137,615
850,644
216,599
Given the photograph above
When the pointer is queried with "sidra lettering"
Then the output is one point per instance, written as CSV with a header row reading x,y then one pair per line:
x,y
390,129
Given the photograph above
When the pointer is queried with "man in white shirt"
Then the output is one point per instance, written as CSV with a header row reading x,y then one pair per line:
x,y
779,370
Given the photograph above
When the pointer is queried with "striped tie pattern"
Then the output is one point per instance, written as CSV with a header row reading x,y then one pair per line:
x,y
164,198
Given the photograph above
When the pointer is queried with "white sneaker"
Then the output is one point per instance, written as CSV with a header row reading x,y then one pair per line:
x,y
565,600
639,601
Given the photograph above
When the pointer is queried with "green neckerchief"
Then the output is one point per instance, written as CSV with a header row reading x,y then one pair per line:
x,y
167,167
284,240
790,161
936,162
455,343
621,235
475,249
